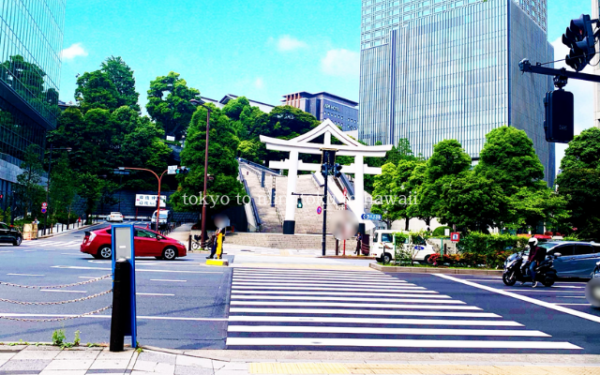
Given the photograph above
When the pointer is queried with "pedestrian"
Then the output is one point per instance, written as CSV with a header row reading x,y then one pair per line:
x,y
213,244
537,254
35,221
358,243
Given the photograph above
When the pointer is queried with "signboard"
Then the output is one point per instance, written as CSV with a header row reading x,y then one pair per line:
x,y
447,232
455,237
143,200
372,217
44,210
319,210
44,205
172,169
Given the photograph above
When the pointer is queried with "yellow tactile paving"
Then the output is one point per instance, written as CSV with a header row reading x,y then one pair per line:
x,y
304,266
413,369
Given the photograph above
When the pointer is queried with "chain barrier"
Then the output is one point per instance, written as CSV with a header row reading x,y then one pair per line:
x,y
57,302
57,286
56,319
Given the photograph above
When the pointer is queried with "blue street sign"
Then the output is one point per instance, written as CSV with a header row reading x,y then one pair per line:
x,y
43,210
372,217
319,210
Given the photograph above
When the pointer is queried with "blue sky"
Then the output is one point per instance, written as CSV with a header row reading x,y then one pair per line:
x,y
261,49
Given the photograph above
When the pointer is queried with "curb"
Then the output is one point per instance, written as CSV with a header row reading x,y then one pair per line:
x,y
448,271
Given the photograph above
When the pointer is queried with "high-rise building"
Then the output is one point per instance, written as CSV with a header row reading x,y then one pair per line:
x,y
31,39
323,105
448,69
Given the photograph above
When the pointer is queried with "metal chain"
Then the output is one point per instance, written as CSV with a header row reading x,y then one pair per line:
x,y
57,319
57,302
57,286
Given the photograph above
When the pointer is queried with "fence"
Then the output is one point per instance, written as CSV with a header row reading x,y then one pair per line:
x,y
60,228
82,299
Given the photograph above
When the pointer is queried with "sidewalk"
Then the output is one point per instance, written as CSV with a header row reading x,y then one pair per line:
x,y
49,360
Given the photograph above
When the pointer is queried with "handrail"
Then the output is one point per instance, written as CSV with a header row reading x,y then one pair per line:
x,y
261,167
348,185
252,202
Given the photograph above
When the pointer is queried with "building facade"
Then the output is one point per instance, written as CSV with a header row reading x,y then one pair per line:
x,y
31,39
448,69
323,105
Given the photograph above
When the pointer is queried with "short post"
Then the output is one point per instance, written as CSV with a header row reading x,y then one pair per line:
x,y
121,308
262,179
337,247
442,247
190,243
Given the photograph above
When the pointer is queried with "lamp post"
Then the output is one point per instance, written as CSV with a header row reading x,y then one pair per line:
x,y
201,103
68,149
159,179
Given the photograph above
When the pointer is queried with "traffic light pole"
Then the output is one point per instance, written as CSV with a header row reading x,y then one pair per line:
x,y
561,75
324,242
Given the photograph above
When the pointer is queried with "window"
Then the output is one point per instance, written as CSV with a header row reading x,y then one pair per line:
x,y
583,250
386,237
145,234
563,250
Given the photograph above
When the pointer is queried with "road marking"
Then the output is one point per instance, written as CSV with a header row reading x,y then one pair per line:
x,y
306,271
88,277
346,342
137,269
568,286
170,281
363,312
29,251
388,331
63,291
319,278
156,294
110,317
76,255
6,251
294,281
416,298
346,320
569,297
23,274
364,305
574,304
403,294
407,289
549,305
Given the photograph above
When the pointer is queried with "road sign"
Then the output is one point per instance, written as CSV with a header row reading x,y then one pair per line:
x,y
455,237
44,205
143,200
319,210
43,210
372,217
172,169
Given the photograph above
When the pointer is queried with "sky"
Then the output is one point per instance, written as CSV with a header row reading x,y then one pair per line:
x,y
260,49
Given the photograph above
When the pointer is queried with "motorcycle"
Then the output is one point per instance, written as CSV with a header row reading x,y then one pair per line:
x,y
516,269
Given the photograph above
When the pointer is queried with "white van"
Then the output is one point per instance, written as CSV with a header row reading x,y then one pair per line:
x,y
165,216
383,248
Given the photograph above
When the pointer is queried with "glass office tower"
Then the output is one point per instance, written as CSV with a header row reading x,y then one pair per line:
x,y
31,39
448,69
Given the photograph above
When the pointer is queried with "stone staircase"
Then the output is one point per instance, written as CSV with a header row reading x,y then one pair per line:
x,y
282,241
271,221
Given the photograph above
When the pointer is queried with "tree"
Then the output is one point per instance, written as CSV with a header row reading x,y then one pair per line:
x,y
63,186
169,103
473,202
384,194
29,188
96,90
121,76
90,188
509,159
579,182
224,189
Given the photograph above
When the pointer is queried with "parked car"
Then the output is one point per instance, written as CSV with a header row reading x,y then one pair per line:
x,y
115,217
572,259
10,234
383,248
147,243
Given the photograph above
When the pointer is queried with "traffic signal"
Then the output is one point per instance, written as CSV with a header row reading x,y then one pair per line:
x,y
299,202
183,170
325,170
559,116
337,170
580,38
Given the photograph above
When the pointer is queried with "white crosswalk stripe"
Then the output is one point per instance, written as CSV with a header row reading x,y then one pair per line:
x,y
292,309
53,244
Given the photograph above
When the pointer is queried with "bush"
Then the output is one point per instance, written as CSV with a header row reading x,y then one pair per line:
x,y
489,249
440,231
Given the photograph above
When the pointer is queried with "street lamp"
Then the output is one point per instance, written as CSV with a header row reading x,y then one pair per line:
x,y
159,178
52,149
202,103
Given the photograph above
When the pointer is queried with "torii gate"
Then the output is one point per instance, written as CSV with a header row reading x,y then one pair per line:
x,y
301,144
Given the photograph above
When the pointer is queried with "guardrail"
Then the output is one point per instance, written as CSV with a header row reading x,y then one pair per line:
x,y
345,181
261,167
252,202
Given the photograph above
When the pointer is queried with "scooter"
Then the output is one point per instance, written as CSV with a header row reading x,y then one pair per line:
x,y
517,270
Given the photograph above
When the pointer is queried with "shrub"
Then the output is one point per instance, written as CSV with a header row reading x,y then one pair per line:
x,y
489,249
440,231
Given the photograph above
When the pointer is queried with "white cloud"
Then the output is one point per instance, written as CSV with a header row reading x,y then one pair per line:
x,y
74,51
341,63
584,98
259,83
288,43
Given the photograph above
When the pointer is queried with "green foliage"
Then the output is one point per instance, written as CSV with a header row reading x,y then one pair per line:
x,y
579,183
30,193
169,103
77,338
489,249
384,195
440,231
58,337
96,90
121,75
222,163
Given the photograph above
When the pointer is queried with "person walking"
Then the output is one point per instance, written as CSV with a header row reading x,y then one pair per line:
x,y
213,244
358,244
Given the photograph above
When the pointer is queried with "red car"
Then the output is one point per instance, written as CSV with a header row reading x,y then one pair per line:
x,y
147,243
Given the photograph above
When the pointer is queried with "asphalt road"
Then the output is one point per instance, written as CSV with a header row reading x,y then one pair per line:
x,y
185,305
180,304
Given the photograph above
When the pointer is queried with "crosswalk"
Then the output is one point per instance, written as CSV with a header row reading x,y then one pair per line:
x,y
295,309
53,244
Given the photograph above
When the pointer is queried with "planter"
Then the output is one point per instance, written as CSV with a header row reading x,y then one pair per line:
x,y
450,271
